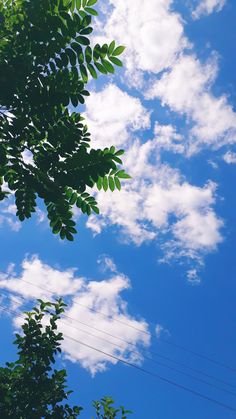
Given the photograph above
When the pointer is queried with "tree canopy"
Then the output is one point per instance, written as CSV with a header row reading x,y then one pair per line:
x,y
30,387
46,61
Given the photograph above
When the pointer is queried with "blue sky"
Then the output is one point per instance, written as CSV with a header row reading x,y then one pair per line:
x,y
159,261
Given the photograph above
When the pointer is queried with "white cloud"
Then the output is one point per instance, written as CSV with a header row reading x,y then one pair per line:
x,y
154,36
168,138
159,202
97,304
107,263
7,218
104,297
36,278
151,31
192,277
186,89
206,7
112,115
199,229
159,329
229,157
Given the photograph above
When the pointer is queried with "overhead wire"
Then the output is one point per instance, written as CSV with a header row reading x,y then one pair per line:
x,y
136,352
143,370
210,359
140,330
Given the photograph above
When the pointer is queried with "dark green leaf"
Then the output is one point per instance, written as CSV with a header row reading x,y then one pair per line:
x,y
111,184
111,47
92,71
91,11
91,2
82,40
108,66
116,61
105,183
118,50
100,68
117,183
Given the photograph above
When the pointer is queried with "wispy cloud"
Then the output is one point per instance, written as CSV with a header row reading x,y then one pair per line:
x,y
206,7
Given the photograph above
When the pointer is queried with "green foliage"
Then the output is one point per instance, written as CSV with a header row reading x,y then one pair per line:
x,y
106,410
29,387
45,62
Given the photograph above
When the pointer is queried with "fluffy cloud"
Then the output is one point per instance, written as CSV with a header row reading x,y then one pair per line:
x,y
154,36
206,7
168,138
229,157
112,115
97,315
151,31
158,202
36,278
186,89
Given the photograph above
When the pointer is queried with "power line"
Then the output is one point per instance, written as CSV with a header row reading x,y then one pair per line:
x,y
216,362
143,370
166,380
129,343
138,353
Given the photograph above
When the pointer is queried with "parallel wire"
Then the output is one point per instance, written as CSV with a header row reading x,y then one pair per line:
x,y
216,362
136,352
143,370
133,327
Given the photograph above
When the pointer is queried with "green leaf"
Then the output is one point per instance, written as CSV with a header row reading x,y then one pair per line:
x,y
108,66
92,71
105,183
95,209
91,11
88,209
100,68
82,40
69,236
71,55
118,50
63,233
88,54
117,183
116,61
77,48
119,152
79,202
122,175
99,183
84,73
57,227
111,47
91,2
111,184
74,100
73,198
86,31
